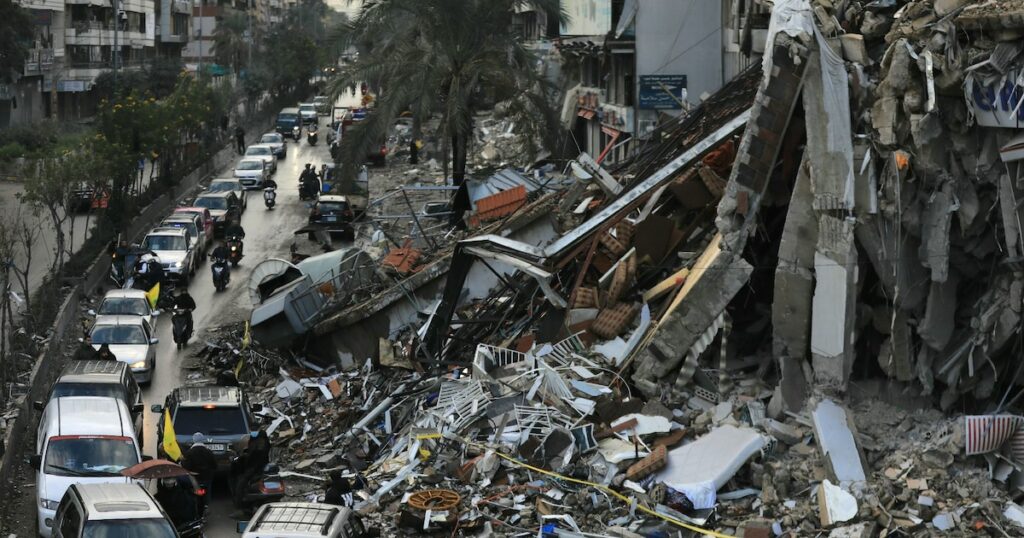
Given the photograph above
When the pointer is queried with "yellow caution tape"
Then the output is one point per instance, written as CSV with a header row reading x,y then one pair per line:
x,y
425,436
605,489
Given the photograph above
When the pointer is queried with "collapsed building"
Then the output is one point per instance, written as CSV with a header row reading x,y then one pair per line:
x,y
805,270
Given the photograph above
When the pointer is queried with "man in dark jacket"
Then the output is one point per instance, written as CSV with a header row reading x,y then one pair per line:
x,y
339,491
184,301
200,460
85,351
105,354
240,139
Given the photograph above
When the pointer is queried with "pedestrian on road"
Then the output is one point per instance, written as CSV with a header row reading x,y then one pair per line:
x,y
85,351
199,459
414,152
240,139
105,354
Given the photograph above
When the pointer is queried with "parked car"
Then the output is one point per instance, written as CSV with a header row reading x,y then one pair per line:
x,y
131,340
252,172
196,232
80,439
230,185
302,520
265,152
129,302
224,207
205,218
308,113
223,414
111,510
333,214
174,248
109,379
287,120
276,141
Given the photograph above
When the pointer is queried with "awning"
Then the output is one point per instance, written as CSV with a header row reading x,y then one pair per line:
x,y
585,113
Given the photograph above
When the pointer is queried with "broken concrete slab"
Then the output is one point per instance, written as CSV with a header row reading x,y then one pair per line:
x,y
699,468
832,430
834,504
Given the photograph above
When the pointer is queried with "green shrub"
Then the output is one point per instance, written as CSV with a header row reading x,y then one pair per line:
x,y
11,151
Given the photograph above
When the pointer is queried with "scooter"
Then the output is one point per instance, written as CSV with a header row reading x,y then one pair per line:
x,y
260,488
180,321
221,273
296,133
234,250
311,135
270,197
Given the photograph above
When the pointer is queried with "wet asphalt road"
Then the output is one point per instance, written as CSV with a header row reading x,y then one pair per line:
x,y
269,233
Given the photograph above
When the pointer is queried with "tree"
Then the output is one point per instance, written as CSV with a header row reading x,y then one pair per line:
x,y
16,32
446,57
229,44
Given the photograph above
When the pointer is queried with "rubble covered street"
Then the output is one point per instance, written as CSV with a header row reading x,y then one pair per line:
x,y
796,312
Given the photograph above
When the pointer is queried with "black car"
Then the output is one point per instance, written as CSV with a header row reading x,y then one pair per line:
x,y
222,414
333,214
225,208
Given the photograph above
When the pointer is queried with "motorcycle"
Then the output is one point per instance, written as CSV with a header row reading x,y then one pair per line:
x,y
296,133
234,250
181,325
221,273
311,135
269,197
260,488
308,189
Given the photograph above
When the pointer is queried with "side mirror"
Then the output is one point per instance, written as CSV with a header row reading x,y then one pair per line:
x,y
91,312
156,408
137,408
147,458
38,405
154,340
35,461
240,526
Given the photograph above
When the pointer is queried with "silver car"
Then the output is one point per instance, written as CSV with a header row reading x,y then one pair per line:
x,y
276,142
252,172
265,152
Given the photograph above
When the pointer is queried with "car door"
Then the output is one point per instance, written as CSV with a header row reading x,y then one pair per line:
x,y
69,523
133,397
150,348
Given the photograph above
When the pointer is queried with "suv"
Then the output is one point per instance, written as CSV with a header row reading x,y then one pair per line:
x,y
230,185
222,414
131,340
224,208
205,220
287,121
333,214
173,246
89,510
192,224
110,379
302,520
83,439
265,152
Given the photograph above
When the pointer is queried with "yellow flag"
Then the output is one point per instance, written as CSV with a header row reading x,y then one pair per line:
x,y
238,367
152,295
246,339
170,442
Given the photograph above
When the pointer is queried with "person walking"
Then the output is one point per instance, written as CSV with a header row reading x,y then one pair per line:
x,y
240,139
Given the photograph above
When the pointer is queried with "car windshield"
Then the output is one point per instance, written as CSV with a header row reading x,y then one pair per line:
x,y
224,186
124,306
186,224
249,165
286,117
307,108
128,528
118,334
209,420
109,390
271,139
333,207
258,151
213,202
165,242
89,455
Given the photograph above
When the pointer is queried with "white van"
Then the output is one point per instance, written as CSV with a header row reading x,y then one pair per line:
x,y
304,520
81,440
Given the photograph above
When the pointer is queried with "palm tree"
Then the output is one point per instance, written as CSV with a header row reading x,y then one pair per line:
x,y
448,58
229,43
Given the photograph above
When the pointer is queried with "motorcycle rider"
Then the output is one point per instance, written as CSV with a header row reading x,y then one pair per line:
x,y
309,183
183,301
236,232
149,271
178,498
199,459
250,463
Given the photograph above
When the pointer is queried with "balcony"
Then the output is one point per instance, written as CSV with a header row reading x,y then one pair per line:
x,y
38,61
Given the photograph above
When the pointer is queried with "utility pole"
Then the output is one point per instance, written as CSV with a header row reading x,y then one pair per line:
x,y
252,36
116,56
199,44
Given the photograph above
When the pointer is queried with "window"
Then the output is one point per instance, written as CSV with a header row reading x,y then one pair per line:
x,y
110,390
219,202
129,528
89,455
165,242
126,306
118,334
72,522
209,421
133,390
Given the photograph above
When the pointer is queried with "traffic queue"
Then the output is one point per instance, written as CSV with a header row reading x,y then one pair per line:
x,y
92,478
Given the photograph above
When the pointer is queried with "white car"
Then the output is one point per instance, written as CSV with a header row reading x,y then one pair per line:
x,y
252,172
80,440
131,340
125,303
275,141
112,510
265,152
307,111
174,247
230,185
196,232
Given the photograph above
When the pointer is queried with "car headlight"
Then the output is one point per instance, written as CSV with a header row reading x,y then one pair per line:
x,y
176,265
138,365
47,504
